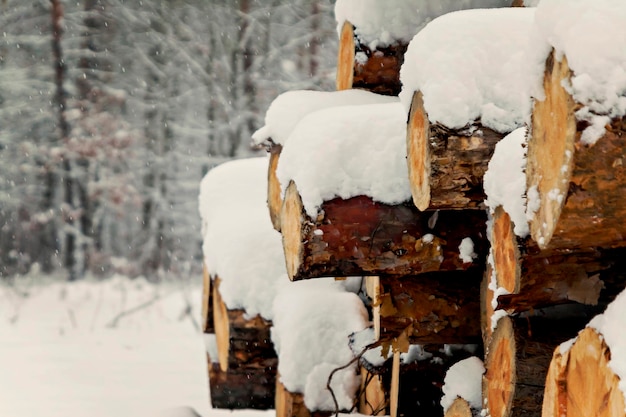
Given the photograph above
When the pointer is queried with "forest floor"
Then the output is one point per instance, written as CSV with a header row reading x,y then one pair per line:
x,y
117,347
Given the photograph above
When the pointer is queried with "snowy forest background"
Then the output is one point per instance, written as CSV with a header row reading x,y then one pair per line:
x,y
111,111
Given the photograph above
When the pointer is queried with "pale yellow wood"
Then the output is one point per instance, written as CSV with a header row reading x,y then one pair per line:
x,y
372,289
222,328
206,295
395,385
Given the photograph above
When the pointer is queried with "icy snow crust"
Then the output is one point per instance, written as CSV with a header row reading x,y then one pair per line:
x,y
312,324
380,23
610,325
289,108
592,35
240,243
464,379
471,65
348,151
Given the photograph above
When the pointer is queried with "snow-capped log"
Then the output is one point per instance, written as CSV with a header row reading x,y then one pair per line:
x,y
531,278
281,118
207,302
433,308
446,166
241,341
241,388
580,381
374,34
291,404
587,373
360,237
358,66
457,115
518,356
575,170
459,408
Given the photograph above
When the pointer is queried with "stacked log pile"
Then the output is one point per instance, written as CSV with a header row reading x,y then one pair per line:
x,y
454,251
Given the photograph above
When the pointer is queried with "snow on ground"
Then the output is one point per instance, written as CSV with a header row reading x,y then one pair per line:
x,y
67,350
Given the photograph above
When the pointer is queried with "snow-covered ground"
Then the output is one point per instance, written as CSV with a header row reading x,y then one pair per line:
x,y
116,348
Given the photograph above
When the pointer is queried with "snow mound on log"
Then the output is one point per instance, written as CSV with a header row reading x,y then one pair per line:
x,y
610,325
471,65
380,23
505,179
464,380
312,324
289,108
591,35
240,243
345,152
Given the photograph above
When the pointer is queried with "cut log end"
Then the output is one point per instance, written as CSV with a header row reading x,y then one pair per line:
x,y
418,153
345,58
206,307
486,306
222,328
498,382
580,382
459,408
505,252
291,228
274,195
551,150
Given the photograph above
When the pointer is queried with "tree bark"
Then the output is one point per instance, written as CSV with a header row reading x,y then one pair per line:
x,y
446,166
433,308
274,194
580,381
580,186
241,388
536,278
360,237
358,66
518,357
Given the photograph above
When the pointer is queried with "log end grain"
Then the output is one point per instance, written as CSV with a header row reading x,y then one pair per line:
x,y
459,408
499,379
418,152
345,57
551,150
222,328
274,194
292,216
505,252
207,302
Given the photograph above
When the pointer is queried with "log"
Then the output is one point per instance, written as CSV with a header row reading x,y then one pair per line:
x,y
360,237
240,388
241,341
486,306
274,193
433,308
536,278
291,404
358,66
518,357
207,302
373,396
459,408
446,166
580,187
580,381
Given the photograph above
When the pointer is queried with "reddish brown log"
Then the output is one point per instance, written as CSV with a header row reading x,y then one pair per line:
x,y
359,237
432,308
274,194
241,388
518,357
446,166
580,186
580,382
358,66
536,278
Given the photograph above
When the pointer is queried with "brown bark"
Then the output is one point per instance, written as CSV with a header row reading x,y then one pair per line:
x,y
358,66
446,166
518,357
580,186
360,237
433,308
538,278
581,383
241,388
242,342
459,408
274,194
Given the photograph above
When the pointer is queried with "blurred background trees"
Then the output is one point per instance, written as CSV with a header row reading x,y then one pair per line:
x,y
111,111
